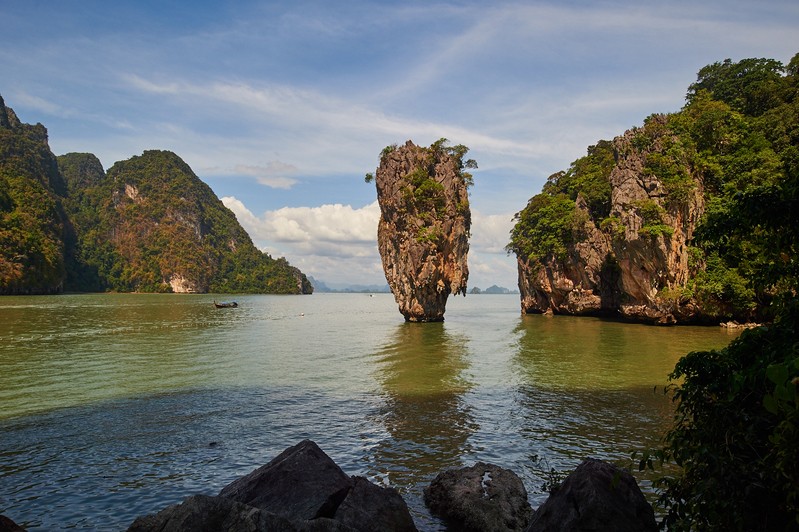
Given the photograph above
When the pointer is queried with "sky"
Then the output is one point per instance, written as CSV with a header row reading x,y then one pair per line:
x,y
282,107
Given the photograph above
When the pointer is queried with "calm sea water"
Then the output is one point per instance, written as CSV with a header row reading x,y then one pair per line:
x,y
114,406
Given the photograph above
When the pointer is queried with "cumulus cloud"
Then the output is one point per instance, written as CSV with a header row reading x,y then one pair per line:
x,y
338,243
490,232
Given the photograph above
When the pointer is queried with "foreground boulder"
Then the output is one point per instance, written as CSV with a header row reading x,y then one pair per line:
x,y
6,524
484,497
201,512
302,482
423,234
371,507
302,489
596,496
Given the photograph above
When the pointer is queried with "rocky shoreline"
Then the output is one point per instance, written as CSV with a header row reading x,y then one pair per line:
x,y
304,490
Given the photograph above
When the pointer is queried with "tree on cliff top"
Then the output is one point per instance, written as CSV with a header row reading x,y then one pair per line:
x,y
737,134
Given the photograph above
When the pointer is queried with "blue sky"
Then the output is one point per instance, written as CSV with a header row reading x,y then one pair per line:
x,y
282,107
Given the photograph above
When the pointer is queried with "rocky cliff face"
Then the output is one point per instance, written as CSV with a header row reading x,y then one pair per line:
x,y
635,262
31,215
423,234
149,225
162,229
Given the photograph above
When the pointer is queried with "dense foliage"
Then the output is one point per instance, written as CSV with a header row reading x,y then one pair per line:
x,y
736,430
149,223
738,134
151,220
31,221
551,222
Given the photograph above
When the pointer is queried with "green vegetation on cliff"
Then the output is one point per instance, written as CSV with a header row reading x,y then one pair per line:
x,y
31,221
150,225
737,136
423,195
736,430
151,222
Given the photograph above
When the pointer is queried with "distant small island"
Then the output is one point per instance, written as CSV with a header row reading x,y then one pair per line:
x,y
493,289
322,288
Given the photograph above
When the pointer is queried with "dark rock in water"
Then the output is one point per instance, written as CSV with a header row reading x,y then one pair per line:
x,y
302,482
301,490
6,524
371,507
201,512
480,498
596,496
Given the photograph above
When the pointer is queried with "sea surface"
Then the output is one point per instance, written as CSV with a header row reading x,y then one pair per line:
x,y
114,406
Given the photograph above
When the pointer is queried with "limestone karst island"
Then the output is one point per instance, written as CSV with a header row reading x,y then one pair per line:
x,y
147,225
423,234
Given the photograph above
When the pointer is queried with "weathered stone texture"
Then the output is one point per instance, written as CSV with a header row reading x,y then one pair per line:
x,y
597,497
479,498
300,490
622,274
423,234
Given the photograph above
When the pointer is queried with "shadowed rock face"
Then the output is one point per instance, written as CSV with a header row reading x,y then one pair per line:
x,y
301,490
622,270
423,235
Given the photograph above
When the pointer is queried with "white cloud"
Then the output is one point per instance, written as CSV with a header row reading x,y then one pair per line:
x,y
337,125
333,243
272,175
26,99
338,243
490,233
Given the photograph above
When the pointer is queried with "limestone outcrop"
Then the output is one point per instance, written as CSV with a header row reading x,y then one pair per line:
x,y
147,225
635,262
423,234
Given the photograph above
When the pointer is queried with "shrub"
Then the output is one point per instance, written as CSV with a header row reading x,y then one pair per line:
x,y
735,435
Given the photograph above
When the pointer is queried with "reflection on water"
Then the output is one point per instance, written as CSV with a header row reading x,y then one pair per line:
x,y
112,406
595,388
421,375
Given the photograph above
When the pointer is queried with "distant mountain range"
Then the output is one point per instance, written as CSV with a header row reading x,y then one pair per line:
x,y
322,287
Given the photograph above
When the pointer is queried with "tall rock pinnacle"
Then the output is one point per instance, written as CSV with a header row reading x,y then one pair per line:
x,y
423,235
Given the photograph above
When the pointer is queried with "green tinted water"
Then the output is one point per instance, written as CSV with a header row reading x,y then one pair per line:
x,y
116,405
